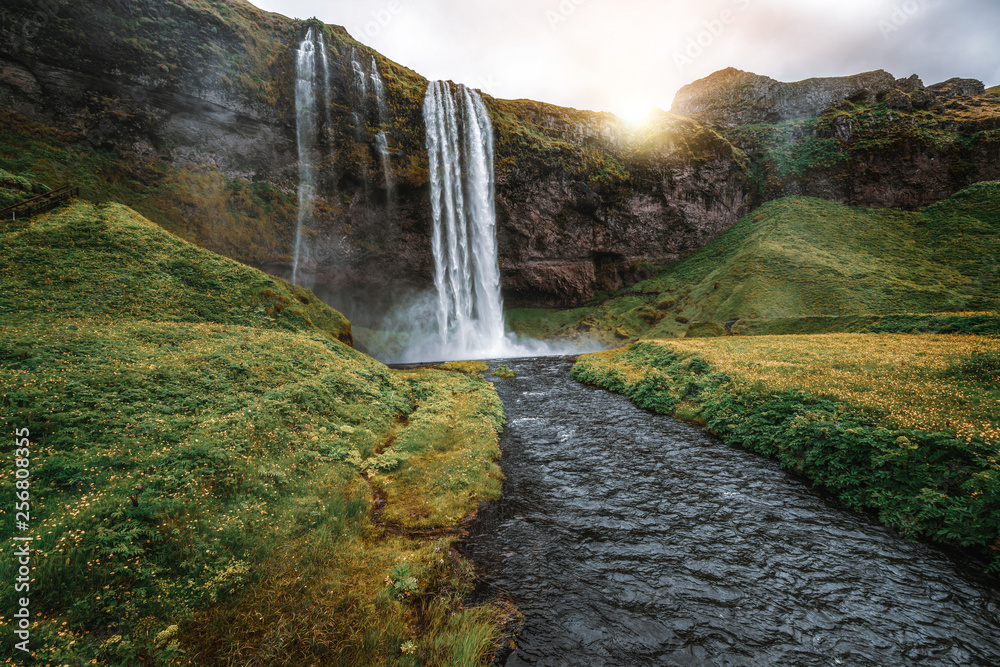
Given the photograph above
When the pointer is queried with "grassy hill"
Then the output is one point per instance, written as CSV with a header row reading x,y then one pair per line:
x,y
204,451
803,257
107,261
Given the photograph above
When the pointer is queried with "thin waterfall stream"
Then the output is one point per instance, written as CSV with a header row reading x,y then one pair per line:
x,y
305,132
630,538
307,129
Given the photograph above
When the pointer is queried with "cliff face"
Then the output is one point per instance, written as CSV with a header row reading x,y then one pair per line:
x,y
185,111
732,97
596,202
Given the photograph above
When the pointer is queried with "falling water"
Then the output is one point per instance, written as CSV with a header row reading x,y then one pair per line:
x,y
321,43
381,142
360,80
383,151
466,274
305,127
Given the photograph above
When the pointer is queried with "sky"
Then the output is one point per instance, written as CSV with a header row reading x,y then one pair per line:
x,y
626,56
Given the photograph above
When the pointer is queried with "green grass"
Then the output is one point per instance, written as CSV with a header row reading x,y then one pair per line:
x,y
89,261
256,434
800,258
902,425
995,91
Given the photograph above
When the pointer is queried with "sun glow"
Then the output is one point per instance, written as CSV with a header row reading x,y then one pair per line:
x,y
634,113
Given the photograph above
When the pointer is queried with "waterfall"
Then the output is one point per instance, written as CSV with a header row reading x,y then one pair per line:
x,y
383,151
326,79
305,129
466,275
360,80
381,143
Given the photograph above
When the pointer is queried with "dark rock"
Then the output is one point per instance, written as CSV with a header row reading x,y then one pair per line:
x,y
897,99
910,84
587,201
958,88
922,99
733,97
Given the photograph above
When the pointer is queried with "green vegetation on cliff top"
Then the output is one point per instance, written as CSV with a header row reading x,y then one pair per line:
x,y
802,257
902,425
203,453
831,144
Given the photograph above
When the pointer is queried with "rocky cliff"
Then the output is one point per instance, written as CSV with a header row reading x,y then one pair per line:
x,y
185,110
732,97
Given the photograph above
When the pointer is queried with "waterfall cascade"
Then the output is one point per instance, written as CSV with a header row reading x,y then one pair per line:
x,y
306,129
466,275
360,79
381,142
321,45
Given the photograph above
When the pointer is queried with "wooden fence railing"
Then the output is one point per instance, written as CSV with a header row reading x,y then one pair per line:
x,y
40,204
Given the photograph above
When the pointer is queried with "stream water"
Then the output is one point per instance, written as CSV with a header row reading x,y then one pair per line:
x,y
629,538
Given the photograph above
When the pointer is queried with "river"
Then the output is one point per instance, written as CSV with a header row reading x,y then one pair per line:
x,y
629,538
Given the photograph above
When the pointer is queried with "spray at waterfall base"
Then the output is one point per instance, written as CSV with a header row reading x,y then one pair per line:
x,y
464,319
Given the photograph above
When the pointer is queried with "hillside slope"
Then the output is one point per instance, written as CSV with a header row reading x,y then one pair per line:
x,y
89,261
800,257
203,455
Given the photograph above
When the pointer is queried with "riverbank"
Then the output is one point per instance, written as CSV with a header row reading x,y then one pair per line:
x,y
903,425
205,454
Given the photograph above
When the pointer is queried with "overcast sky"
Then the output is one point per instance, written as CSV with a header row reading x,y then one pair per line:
x,y
628,55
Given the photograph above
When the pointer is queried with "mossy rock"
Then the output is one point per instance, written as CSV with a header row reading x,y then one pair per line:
x,y
705,330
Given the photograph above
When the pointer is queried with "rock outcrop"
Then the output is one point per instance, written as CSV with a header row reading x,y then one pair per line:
x,y
733,97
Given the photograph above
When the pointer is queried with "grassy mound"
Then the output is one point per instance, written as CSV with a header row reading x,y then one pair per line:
x,y
802,257
88,261
202,463
902,425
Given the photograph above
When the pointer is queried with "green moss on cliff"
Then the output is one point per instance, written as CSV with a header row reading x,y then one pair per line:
x,y
187,44
248,221
838,144
800,258
15,189
537,137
